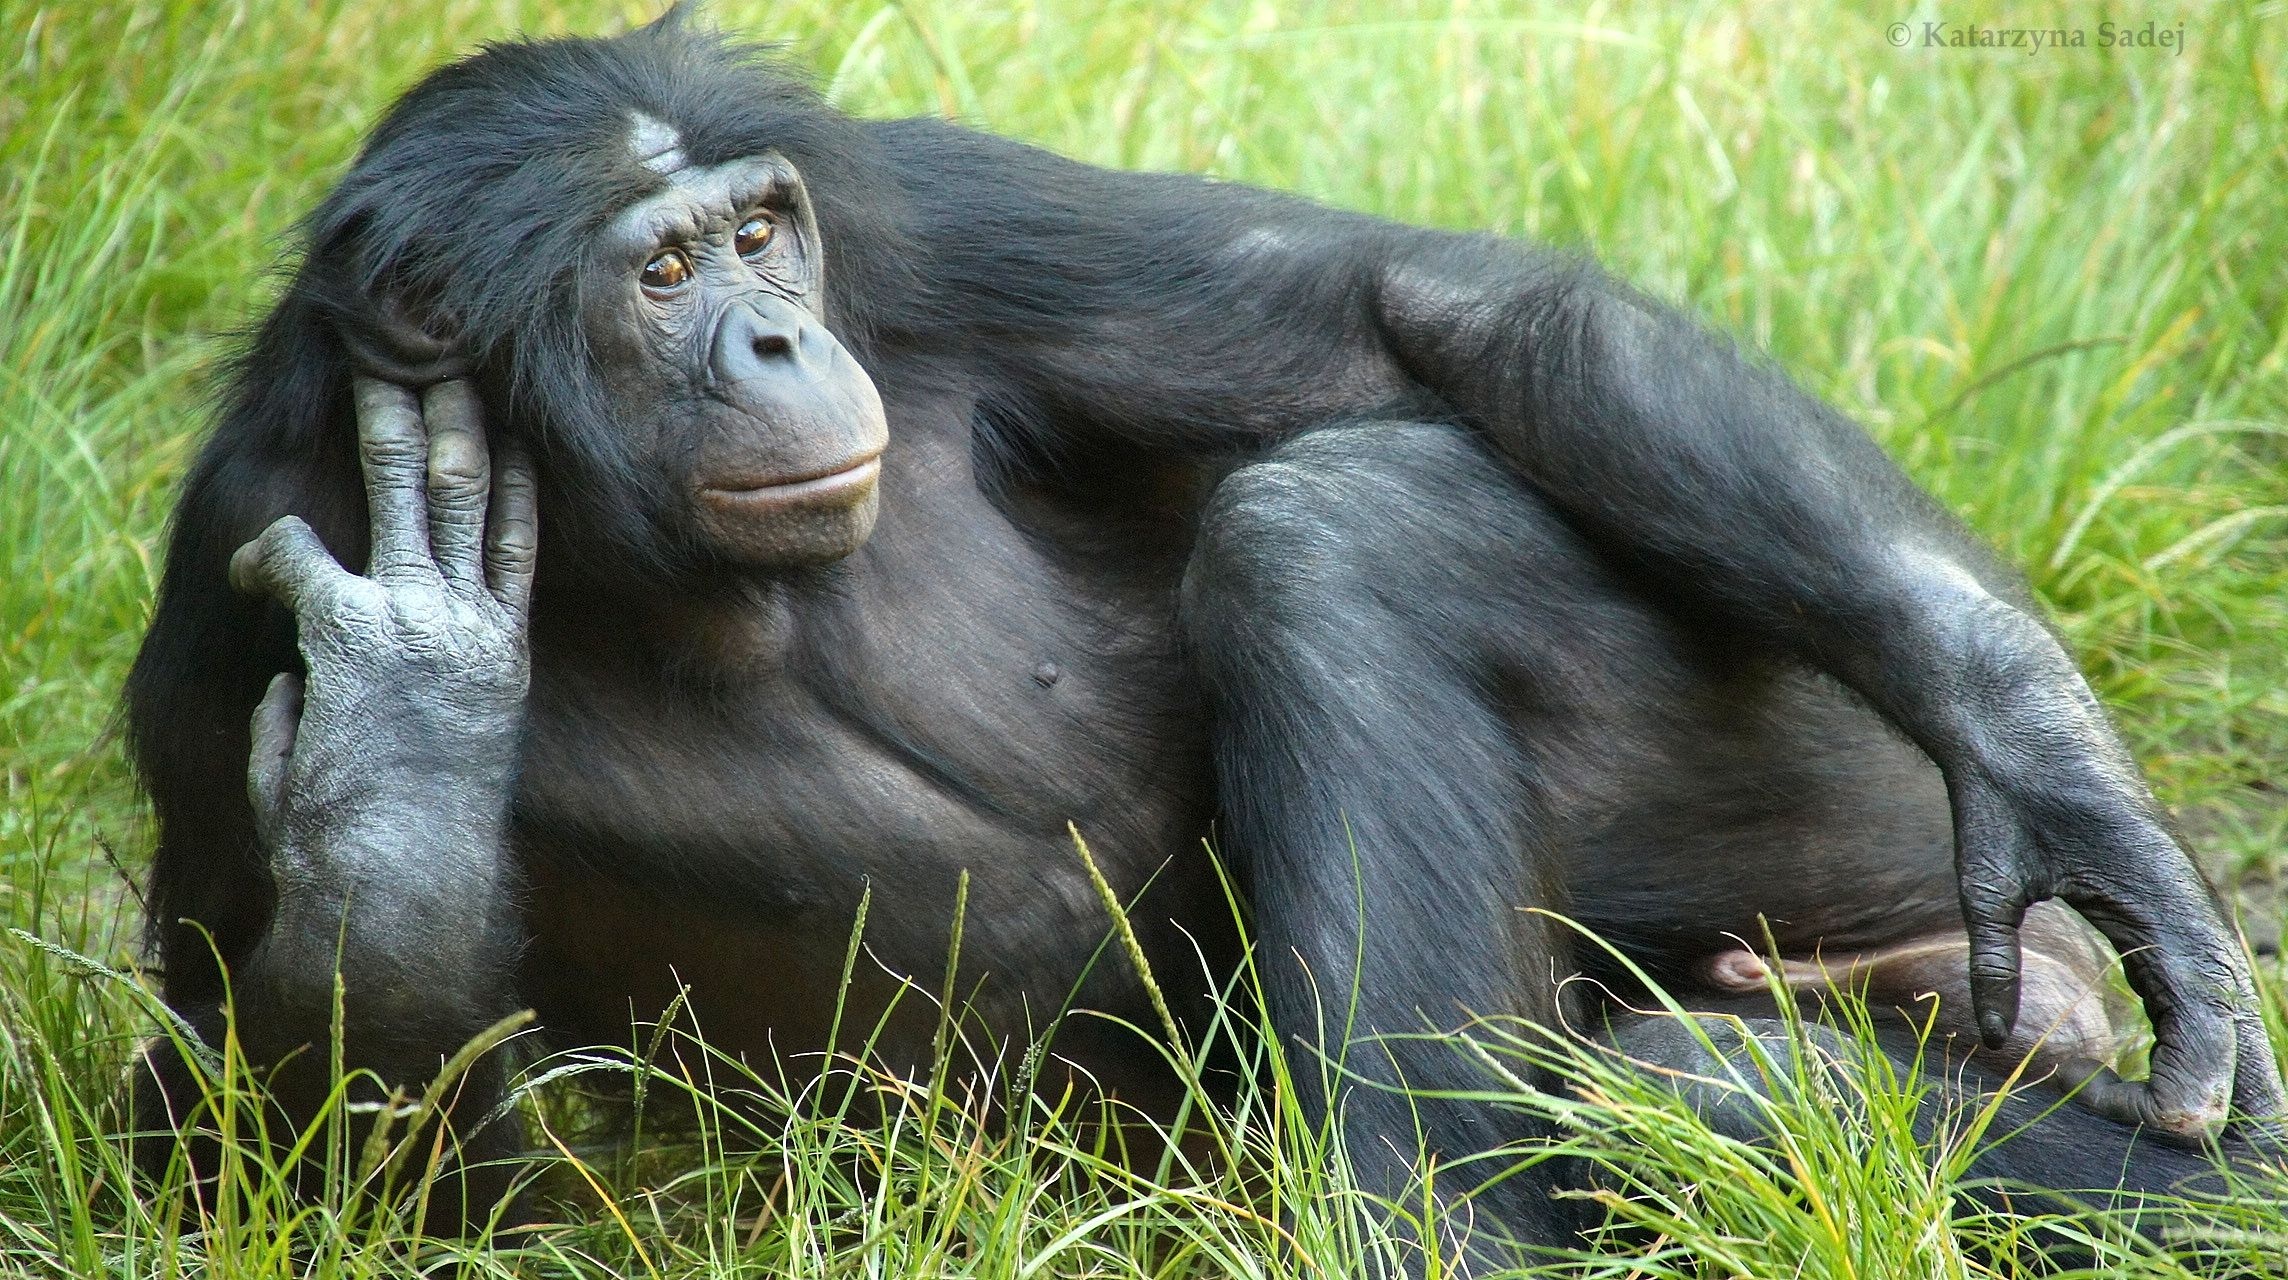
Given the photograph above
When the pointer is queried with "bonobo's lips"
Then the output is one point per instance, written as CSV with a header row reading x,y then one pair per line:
x,y
846,483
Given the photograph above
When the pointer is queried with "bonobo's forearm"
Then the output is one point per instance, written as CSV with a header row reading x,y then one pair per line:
x,y
1735,489
1742,493
1722,478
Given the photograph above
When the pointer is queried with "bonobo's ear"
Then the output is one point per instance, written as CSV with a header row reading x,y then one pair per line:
x,y
387,341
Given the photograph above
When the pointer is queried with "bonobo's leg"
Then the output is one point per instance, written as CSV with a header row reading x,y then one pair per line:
x,y
1401,645
381,779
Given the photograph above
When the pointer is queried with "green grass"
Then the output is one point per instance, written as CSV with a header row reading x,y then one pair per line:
x,y
2055,286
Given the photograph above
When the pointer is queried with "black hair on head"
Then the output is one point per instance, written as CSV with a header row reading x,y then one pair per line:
x,y
482,185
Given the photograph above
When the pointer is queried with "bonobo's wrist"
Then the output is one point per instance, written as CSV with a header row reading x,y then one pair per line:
x,y
1951,663
422,822
398,900
433,969
1993,698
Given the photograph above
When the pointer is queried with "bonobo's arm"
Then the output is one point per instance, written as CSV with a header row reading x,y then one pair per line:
x,y
381,783
1724,481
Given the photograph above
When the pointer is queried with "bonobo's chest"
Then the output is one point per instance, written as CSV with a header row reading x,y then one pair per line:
x,y
711,792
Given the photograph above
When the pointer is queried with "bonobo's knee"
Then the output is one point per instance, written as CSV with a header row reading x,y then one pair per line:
x,y
1368,509
1305,511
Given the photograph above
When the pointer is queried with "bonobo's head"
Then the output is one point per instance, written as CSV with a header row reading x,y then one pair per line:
x,y
653,255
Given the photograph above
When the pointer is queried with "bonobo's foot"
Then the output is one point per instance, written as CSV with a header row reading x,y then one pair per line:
x,y
2067,1019
169,1099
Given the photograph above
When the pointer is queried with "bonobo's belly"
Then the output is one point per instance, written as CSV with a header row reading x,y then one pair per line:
x,y
739,867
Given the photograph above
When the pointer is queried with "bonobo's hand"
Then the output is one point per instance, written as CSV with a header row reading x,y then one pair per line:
x,y
381,784
2050,805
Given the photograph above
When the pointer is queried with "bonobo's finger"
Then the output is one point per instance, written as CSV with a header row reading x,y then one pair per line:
x,y
460,476
1992,910
512,542
288,563
393,449
276,719
2186,981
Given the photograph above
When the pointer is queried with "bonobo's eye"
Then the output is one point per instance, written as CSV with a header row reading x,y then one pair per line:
x,y
666,270
752,236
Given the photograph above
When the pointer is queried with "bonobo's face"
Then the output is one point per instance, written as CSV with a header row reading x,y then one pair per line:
x,y
704,312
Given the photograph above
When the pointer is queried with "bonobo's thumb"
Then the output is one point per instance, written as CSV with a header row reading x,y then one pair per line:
x,y
277,718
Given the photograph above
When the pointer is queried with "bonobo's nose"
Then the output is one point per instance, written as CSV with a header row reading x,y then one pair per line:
x,y
766,337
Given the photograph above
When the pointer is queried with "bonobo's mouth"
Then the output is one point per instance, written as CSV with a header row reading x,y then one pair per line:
x,y
743,498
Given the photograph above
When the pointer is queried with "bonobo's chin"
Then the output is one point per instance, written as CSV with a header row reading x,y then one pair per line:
x,y
809,519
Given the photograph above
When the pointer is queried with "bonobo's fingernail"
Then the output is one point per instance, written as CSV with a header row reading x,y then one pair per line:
x,y
1996,1031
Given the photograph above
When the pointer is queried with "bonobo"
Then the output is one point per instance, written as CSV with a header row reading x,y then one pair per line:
x,y
662,510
